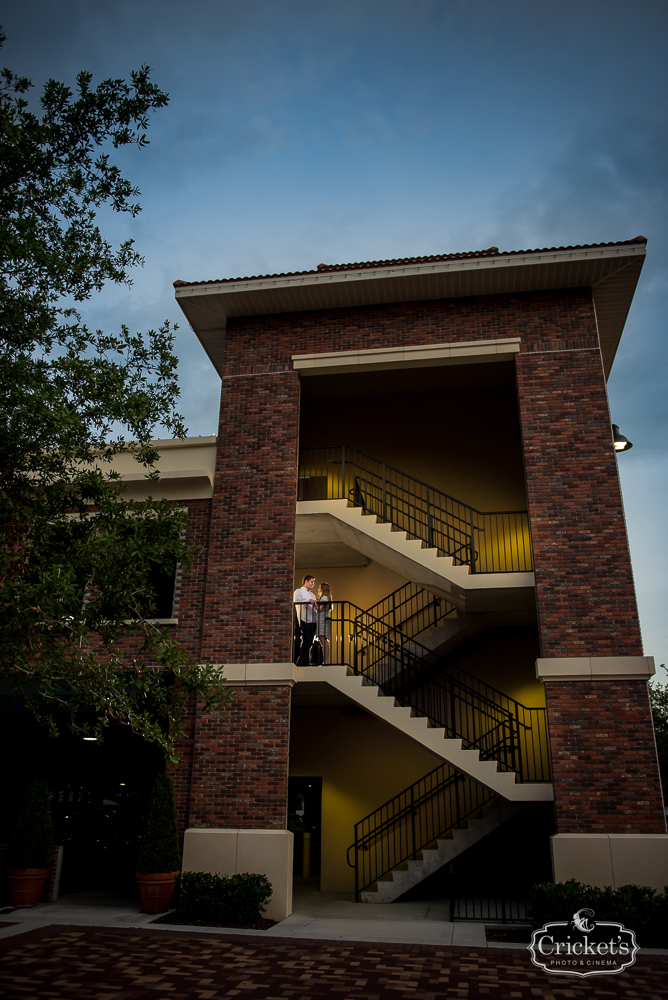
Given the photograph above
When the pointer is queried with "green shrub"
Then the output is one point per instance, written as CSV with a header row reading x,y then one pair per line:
x,y
230,900
31,843
158,849
638,907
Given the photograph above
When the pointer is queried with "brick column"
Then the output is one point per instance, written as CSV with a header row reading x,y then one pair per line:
x,y
604,760
584,584
604,757
240,770
247,616
240,755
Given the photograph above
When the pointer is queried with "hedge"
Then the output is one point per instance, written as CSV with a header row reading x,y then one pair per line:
x,y
230,900
637,907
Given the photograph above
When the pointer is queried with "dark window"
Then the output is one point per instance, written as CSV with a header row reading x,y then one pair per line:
x,y
162,583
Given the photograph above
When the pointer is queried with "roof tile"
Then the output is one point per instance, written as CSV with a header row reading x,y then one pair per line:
x,y
490,252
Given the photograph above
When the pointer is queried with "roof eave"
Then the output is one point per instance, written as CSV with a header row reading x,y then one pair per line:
x,y
612,272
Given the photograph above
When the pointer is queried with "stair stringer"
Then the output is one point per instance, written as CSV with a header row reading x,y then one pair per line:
x,y
493,815
411,558
370,697
435,636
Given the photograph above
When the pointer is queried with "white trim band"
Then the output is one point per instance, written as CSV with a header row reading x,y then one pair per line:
x,y
258,674
595,668
408,356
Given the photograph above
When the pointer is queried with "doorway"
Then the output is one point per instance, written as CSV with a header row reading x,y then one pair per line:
x,y
304,819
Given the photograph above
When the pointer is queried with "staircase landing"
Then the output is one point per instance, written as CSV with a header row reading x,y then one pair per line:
x,y
371,698
335,523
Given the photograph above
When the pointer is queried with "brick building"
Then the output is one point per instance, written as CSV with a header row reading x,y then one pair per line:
x,y
432,437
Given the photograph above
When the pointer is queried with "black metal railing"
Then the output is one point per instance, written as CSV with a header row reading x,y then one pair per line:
x,y
484,718
412,609
509,905
488,542
411,821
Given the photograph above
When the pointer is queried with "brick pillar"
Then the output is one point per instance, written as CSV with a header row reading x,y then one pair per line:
x,y
240,761
604,762
240,770
248,617
604,757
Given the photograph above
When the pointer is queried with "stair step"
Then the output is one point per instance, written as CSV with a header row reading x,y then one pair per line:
x,y
412,871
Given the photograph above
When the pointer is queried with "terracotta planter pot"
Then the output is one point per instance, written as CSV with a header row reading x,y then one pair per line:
x,y
26,884
156,891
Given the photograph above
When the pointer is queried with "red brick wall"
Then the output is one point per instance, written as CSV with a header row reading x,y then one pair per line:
x,y
251,548
240,769
258,344
604,760
584,584
191,586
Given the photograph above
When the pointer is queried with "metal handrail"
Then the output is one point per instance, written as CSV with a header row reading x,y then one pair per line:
x,y
466,708
403,811
488,542
487,693
426,610
412,820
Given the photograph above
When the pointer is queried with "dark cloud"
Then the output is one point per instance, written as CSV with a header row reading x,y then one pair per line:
x,y
300,132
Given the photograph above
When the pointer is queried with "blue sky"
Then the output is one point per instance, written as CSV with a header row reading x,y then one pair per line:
x,y
342,131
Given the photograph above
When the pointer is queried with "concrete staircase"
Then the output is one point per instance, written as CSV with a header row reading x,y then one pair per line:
x,y
445,850
437,636
336,521
370,697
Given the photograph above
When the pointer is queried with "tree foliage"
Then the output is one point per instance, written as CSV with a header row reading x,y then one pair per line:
x,y
658,696
77,558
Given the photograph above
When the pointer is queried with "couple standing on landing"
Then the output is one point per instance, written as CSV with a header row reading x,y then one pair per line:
x,y
313,618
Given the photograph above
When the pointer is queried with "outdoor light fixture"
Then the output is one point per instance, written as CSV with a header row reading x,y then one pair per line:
x,y
621,443
93,738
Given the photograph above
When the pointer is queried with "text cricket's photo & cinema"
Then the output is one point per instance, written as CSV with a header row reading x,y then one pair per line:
x,y
582,948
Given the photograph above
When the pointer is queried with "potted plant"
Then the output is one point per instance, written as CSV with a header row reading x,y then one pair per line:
x,y
31,845
158,854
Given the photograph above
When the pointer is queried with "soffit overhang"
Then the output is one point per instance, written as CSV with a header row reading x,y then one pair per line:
x,y
611,272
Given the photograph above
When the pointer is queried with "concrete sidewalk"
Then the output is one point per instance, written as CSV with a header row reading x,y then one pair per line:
x,y
315,915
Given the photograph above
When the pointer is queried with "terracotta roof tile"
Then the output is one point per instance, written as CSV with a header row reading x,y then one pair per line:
x,y
490,252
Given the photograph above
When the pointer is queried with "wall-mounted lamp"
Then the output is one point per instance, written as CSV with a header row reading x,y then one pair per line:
x,y
621,443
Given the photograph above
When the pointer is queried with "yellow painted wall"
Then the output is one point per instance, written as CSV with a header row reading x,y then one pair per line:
x,y
464,441
363,762
507,661
361,585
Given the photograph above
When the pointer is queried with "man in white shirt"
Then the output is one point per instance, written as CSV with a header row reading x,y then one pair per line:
x,y
306,616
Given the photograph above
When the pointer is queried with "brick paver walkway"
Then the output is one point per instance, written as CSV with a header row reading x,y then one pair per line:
x,y
83,963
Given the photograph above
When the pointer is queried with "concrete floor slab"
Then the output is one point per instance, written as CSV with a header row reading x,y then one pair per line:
x,y
316,915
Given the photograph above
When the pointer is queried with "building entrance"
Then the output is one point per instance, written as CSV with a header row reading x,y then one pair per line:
x,y
98,794
304,819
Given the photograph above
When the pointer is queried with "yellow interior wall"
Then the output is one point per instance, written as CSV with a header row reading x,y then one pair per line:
x,y
361,585
363,762
465,442
508,663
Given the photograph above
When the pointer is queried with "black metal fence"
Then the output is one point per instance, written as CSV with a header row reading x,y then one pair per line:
x,y
488,542
502,909
411,821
